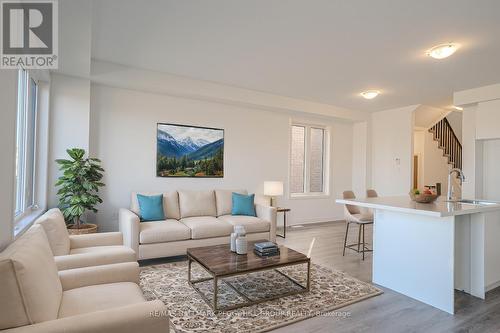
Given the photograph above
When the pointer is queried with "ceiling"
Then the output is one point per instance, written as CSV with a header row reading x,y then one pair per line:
x,y
319,50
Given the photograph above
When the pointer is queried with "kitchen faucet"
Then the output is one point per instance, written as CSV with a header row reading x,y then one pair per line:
x,y
461,177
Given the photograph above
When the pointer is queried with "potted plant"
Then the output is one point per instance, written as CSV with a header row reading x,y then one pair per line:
x,y
78,189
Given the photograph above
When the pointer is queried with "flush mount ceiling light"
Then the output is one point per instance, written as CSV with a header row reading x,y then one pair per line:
x,y
442,51
370,94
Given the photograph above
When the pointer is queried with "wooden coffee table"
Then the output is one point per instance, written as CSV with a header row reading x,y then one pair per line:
x,y
221,263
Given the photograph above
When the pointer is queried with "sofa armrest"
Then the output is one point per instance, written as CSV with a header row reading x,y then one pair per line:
x,y
98,239
88,276
112,255
269,214
151,317
129,226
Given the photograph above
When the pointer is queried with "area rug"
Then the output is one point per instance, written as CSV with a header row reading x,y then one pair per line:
x,y
330,291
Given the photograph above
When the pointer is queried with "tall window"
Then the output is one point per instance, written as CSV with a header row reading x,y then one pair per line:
x,y
27,92
307,160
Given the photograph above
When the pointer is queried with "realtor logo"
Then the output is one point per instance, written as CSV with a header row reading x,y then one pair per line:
x,y
29,34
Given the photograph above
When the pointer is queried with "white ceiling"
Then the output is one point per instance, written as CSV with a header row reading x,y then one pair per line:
x,y
319,50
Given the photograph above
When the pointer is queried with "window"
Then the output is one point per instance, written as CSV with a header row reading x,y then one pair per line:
x,y
27,93
307,160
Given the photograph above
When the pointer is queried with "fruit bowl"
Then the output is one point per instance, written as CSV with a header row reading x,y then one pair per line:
x,y
420,197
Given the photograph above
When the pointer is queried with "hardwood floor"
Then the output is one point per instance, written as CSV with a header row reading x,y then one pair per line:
x,y
391,311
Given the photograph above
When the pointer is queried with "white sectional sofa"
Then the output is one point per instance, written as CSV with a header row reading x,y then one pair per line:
x,y
193,218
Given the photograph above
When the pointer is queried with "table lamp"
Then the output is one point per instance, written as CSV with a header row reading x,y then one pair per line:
x,y
273,189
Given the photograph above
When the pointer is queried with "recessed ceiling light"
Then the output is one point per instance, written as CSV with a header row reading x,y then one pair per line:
x,y
459,108
442,51
370,94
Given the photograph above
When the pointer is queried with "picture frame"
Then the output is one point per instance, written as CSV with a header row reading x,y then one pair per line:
x,y
189,151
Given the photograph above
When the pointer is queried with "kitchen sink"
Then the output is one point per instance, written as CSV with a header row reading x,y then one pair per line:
x,y
474,202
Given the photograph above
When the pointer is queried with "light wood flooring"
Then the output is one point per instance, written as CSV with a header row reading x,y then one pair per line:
x,y
391,311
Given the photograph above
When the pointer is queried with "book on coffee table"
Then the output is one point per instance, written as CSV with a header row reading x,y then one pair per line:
x,y
262,246
267,253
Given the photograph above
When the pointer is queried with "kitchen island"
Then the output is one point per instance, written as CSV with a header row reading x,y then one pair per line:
x,y
426,251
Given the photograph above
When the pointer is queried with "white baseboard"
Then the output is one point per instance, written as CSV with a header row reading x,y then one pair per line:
x,y
312,221
492,286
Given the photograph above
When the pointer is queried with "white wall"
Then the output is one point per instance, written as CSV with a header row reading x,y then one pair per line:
x,y
491,163
8,96
116,75
123,135
488,120
392,150
69,122
469,188
427,116
359,158
455,120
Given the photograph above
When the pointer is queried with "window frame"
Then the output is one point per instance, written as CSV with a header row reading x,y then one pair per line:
x,y
27,151
307,194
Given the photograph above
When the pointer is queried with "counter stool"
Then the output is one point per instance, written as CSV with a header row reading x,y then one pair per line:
x,y
353,215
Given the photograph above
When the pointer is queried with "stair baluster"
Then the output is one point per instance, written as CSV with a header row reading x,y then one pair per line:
x,y
447,140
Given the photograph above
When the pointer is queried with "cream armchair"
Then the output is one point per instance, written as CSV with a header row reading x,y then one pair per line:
x,y
76,251
38,298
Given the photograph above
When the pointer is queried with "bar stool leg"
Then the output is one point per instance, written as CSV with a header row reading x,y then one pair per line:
x,y
345,238
363,242
359,235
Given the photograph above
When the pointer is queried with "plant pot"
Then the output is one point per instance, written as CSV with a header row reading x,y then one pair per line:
x,y
85,228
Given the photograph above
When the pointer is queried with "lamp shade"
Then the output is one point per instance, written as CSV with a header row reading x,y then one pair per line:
x,y
273,188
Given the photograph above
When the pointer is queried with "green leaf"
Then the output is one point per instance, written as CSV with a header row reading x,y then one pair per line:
x,y
78,186
63,163
76,153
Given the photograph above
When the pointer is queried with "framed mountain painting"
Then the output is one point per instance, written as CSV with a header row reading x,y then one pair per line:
x,y
189,151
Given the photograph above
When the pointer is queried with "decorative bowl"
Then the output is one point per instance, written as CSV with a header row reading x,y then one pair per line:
x,y
423,198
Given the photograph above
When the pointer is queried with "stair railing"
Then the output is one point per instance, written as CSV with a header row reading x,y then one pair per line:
x,y
448,142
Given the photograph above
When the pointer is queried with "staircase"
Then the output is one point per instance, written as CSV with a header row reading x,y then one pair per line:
x,y
448,142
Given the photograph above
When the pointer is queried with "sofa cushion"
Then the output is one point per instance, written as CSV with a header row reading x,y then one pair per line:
x,y
243,204
55,228
224,201
170,203
164,231
30,288
99,297
207,227
197,203
151,207
252,224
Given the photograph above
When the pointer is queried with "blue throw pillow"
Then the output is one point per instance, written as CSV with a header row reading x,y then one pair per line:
x,y
151,207
243,204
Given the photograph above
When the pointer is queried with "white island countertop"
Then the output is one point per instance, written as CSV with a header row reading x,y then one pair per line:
x,y
404,204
